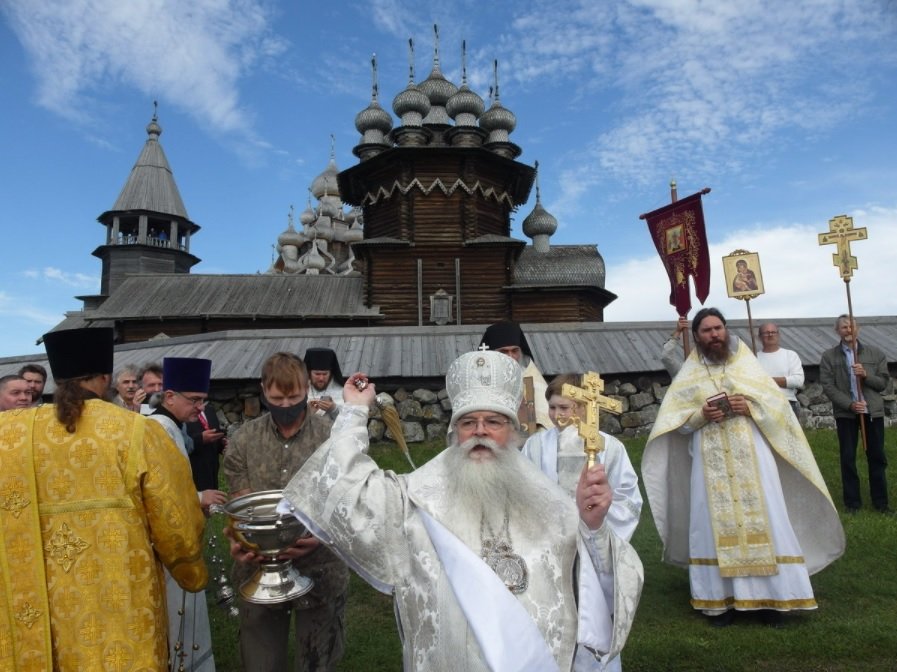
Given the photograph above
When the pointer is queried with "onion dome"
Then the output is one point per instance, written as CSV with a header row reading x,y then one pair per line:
x,y
290,236
465,106
308,215
498,121
412,104
326,182
353,234
153,130
323,229
373,122
331,207
438,89
314,262
539,224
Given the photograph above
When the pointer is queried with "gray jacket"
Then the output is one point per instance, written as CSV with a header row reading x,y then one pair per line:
x,y
835,379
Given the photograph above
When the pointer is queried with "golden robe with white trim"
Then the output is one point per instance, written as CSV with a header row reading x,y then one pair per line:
x,y
86,522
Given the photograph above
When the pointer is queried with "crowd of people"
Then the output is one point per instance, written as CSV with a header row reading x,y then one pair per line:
x,y
508,550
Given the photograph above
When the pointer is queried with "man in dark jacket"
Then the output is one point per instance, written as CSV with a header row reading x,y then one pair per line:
x,y
853,376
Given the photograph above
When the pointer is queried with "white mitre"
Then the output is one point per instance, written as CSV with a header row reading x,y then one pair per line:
x,y
484,380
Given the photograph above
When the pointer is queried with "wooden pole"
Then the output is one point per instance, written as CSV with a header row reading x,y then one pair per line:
x,y
747,302
686,344
853,347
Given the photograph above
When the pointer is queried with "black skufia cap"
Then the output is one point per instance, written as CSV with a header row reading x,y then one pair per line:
x,y
322,359
503,334
74,353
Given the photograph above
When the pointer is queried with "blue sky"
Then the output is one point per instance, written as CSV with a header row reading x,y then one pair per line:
x,y
787,110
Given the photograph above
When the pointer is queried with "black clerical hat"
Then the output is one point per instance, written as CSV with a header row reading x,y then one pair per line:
x,y
322,359
503,334
79,352
186,374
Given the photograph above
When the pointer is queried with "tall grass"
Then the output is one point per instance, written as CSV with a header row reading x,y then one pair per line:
x,y
853,629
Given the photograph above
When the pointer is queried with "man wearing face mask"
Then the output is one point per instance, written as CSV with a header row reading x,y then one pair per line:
x,y
263,455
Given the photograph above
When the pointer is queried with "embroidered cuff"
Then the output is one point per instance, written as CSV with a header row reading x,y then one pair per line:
x,y
598,546
350,417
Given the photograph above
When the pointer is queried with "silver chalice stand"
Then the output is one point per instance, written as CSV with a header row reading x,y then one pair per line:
x,y
258,527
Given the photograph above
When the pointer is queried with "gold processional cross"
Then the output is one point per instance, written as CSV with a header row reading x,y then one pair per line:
x,y
841,233
590,395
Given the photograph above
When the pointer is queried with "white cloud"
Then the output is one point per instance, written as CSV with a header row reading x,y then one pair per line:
x,y
23,308
57,276
81,280
191,54
798,274
697,87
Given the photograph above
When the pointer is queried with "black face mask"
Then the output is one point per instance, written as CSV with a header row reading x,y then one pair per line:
x,y
284,416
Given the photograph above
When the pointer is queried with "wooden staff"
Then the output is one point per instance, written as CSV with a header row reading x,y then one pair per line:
x,y
686,344
747,302
854,349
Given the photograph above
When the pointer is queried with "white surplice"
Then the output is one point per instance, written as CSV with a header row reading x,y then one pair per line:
x,y
559,454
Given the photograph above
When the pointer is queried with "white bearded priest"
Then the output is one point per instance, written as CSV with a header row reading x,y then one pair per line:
x,y
492,566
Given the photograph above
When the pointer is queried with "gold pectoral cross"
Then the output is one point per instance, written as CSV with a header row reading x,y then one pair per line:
x,y
590,395
841,233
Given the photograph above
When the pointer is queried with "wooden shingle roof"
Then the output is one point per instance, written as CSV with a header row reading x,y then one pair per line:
x,y
613,349
180,295
150,186
560,266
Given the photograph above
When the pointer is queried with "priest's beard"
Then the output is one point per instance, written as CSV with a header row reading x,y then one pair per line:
x,y
484,490
716,352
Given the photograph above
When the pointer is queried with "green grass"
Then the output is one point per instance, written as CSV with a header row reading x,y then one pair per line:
x,y
853,629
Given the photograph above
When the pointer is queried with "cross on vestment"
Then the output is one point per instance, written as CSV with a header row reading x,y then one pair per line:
x,y
842,233
590,395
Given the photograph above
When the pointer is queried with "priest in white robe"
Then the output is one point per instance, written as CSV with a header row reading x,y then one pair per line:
x,y
492,566
735,491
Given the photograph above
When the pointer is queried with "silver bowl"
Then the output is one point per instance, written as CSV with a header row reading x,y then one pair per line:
x,y
260,528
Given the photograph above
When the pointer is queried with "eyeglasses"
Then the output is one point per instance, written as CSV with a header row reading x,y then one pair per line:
x,y
492,424
198,402
768,333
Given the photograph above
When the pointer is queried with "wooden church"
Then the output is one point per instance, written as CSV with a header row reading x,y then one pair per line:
x,y
417,233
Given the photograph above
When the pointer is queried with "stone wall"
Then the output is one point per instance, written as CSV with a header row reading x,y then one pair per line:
x,y
425,413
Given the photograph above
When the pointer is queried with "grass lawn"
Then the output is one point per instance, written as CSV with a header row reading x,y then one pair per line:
x,y
853,629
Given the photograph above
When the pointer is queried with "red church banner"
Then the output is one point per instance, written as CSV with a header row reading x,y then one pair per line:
x,y
678,233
